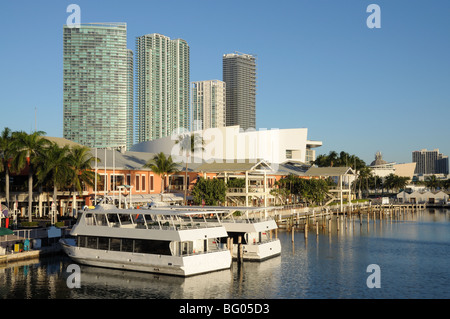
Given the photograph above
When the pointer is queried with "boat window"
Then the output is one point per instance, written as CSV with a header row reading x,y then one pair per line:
x,y
127,245
103,243
144,246
81,241
101,220
91,242
114,220
114,244
139,220
89,219
125,219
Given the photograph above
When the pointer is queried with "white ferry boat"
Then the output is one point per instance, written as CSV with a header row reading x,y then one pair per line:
x,y
258,232
157,241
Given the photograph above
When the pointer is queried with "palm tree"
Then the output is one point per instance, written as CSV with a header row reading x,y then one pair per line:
x,y
432,182
54,165
5,157
189,143
364,174
161,166
80,162
26,150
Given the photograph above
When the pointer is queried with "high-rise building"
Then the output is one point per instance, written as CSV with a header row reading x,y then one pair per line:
x,y
239,74
208,104
162,86
130,99
96,84
430,162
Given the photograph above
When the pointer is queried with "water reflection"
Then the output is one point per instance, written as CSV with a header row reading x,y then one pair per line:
x,y
411,250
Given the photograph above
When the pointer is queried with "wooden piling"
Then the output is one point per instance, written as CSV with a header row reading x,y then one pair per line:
x,y
240,254
292,235
329,225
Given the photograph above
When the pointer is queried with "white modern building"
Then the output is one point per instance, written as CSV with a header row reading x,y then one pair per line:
x,y
230,144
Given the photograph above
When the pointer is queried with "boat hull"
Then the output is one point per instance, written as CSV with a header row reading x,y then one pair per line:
x,y
170,265
260,251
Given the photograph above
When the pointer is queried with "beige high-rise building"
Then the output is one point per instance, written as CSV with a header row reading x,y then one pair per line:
x,y
208,104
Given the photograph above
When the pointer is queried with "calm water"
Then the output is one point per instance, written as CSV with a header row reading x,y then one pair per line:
x,y
412,253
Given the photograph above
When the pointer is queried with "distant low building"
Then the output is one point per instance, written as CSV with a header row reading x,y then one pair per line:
x,y
423,197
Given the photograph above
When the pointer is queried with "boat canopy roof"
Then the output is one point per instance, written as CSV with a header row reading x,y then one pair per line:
x,y
112,209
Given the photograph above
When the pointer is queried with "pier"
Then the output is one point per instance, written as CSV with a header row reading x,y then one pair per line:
x,y
319,218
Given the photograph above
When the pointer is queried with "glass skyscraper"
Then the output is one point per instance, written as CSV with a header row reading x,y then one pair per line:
x,y
162,86
239,75
97,85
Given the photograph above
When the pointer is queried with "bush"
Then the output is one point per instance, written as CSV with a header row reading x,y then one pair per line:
x,y
29,224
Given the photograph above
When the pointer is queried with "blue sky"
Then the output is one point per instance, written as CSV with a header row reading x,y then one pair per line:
x,y
357,89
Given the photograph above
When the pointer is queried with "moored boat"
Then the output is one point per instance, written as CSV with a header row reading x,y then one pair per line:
x,y
157,241
252,224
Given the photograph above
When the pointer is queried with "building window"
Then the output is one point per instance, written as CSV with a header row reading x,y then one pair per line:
x,y
289,154
151,183
101,183
137,181
116,181
143,183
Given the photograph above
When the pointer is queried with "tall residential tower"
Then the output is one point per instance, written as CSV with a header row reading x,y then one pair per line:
x,y
96,84
239,74
162,86
208,104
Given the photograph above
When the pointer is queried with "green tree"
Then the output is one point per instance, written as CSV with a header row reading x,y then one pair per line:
x,y
189,143
27,148
394,182
236,183
211,191
6,153
80,162
343,159
432,182
54,166
163,166
365,173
